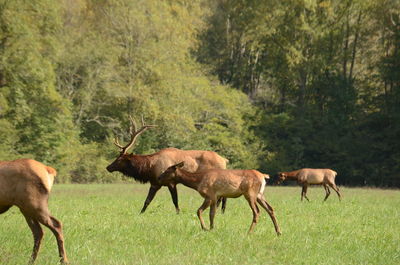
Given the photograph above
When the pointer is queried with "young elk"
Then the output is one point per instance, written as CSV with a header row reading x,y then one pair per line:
x,y
215,183
307,176
146,168
26,183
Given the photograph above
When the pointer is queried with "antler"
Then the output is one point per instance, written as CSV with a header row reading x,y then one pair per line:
x,y
134,134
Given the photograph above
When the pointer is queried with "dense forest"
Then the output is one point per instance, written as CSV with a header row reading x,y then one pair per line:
x,y
269,84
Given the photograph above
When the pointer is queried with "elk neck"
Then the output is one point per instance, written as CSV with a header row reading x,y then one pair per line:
x,y
292,175
191,180
139,168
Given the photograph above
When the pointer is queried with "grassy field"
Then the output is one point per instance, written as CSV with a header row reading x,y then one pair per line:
x,y
102,226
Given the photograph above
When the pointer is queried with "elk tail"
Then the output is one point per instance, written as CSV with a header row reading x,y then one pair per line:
x,y
51,173
264,183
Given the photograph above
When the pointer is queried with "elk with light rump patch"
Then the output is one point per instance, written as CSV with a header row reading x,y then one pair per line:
x,y
146,168
307,176
228,183
27,183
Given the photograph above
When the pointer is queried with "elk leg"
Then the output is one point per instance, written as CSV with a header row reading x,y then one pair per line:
x,y
152,192
223,200
5,208
253,207
56,227
335,188
174,195
223,207
37,232
213,207
204,206
328,192
263,202
304,193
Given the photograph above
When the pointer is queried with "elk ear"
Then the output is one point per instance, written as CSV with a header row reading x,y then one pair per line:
x,y
181,164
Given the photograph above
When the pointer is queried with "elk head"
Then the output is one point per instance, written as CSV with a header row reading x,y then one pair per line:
x,y
123,160
169,174
281,177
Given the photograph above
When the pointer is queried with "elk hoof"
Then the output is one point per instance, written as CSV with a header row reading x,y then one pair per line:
x,y
64,261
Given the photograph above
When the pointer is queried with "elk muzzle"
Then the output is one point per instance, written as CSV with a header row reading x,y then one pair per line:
x,y
111,167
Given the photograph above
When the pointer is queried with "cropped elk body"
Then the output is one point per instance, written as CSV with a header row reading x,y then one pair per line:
x,y
146,168
307,176
228,183
27,183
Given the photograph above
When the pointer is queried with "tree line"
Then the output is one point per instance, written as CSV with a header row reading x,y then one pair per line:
x,y
271,85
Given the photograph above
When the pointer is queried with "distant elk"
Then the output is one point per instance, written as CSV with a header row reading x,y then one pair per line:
x,y
228,183
27,183
307,176
146,168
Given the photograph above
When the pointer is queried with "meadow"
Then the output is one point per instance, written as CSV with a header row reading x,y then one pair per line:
x,y
102,225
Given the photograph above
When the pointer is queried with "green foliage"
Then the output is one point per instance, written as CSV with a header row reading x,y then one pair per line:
x,y
273,85
72,73
328,89
33,106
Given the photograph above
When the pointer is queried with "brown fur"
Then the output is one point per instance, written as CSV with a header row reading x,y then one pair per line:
x,y
146,168
307,176
26,183
229,183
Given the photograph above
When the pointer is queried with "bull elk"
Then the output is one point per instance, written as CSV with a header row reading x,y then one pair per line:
x,y
228,183
27,183
307,176
146,168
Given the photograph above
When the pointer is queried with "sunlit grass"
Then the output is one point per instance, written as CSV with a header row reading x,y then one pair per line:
x,y
102,225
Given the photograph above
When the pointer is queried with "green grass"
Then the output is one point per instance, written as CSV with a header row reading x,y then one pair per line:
x,y
102,226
